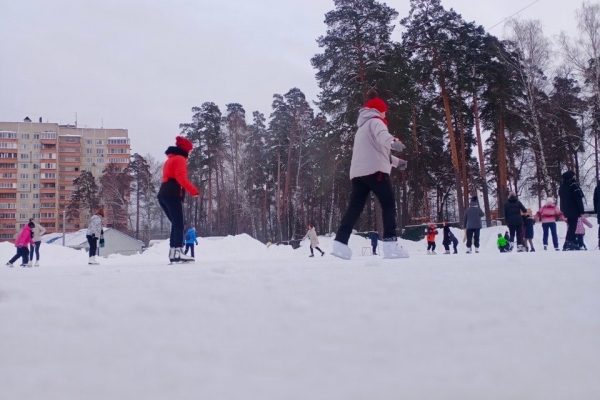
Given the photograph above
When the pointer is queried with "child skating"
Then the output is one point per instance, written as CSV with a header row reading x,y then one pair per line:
x,y
431,234
311,234
22,243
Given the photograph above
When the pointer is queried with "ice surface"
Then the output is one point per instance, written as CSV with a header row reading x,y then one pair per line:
x,y
247,321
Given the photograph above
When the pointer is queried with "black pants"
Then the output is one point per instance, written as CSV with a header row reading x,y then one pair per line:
x,y
34,247
580,244
22,252
173,208
430,246
316,247
374,246
93,242
552,227
379,184
516,229
189,246
571,227
473,237
454,242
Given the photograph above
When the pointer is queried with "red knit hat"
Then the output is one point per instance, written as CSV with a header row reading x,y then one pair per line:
x,y
377,104
184,144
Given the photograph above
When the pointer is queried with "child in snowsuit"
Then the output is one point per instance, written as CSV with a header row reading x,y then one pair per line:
x,y
314,240
431,233
449,238
24,240
190,241
174,184
580,232
502,244
370,170
528,222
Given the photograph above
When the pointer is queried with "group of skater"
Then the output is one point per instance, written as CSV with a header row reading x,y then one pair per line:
x,y
520,222
370,168
28,241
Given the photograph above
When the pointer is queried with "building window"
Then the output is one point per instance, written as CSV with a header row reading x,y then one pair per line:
x,y
24,156
36,136
48,135
8,135
24,135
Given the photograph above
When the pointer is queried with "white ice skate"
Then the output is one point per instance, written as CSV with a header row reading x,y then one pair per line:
x,y
92,261
391,249
176,255
341,250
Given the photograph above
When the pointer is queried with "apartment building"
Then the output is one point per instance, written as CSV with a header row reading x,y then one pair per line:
x,y
38,163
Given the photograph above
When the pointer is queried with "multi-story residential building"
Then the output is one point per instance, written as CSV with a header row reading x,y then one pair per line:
x,y
38,163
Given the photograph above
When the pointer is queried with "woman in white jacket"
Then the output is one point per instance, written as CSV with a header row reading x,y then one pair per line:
x,y
38,231
370,169
311,234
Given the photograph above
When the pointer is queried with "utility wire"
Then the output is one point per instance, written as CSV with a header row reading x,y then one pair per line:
x,y
516,13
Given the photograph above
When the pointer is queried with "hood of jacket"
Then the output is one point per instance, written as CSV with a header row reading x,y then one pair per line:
x,y
568,176
365,114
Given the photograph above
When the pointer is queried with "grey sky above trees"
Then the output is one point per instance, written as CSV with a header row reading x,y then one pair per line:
x,y
142,64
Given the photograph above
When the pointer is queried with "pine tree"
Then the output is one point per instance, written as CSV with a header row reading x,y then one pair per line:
x,y
115,190
85,196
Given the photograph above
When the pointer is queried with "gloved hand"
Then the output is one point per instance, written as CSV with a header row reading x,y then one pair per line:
x,y
398,145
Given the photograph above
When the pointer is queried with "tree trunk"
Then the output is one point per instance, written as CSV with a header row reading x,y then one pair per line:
x,y
484,186
502,167
453,148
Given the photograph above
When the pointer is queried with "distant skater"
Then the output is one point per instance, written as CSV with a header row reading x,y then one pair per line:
x,y
23,241
38,231
472,224
93,234
311,234
191,240
449,239
431,234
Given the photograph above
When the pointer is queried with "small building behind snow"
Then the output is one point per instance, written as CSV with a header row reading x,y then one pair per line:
x,y
115,242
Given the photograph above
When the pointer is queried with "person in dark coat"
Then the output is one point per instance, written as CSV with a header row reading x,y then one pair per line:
x,y
597,208
571,205
374,236
513,214
449,238
472,224
528,223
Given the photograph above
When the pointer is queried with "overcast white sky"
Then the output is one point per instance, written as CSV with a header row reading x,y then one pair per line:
x,y
142,64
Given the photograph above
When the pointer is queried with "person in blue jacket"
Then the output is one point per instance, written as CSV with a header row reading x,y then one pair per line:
x,y
190,241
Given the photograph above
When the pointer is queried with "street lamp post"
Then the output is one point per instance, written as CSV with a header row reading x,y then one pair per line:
x,y
64,226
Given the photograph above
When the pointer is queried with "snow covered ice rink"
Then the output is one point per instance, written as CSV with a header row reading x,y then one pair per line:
x,y
250,322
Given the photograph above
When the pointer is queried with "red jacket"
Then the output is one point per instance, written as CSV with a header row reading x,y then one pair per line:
x,y
175,168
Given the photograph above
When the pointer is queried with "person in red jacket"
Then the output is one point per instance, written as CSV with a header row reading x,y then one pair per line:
x,y
171,194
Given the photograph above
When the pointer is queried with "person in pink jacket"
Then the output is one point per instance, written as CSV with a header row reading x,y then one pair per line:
x,y
582,222
24,239
548,215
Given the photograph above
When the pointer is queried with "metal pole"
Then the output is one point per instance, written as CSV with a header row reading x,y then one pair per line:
x,y
64,226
